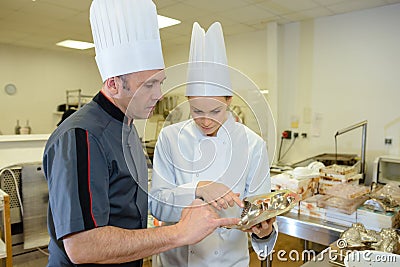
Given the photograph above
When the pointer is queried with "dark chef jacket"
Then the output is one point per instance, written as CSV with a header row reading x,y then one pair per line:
x,y
97,176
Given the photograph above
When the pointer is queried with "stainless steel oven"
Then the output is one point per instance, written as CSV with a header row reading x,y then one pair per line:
x,y
387,169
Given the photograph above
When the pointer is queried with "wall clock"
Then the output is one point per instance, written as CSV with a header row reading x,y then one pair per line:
x,y
10,89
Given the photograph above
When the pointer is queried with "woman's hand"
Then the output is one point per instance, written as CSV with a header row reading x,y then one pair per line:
x,y
263,229
218,195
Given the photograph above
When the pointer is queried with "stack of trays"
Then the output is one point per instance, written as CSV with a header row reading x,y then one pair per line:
x,y
345,198
376,220
310,207
337,174
340,218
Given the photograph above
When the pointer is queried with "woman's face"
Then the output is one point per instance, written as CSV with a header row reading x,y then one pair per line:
x,y
209,112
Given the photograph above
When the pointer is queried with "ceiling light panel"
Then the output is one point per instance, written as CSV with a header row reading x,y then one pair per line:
x,y
75,44
164,22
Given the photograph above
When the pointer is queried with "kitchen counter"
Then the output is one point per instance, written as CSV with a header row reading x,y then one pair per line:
x,y
309,229
17,149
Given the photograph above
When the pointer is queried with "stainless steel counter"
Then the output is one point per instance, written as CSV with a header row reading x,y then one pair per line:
x,y
309,229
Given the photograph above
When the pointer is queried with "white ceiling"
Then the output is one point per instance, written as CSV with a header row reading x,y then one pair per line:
x,y
43,23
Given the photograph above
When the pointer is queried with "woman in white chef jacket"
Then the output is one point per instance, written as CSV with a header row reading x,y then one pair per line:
x,y
210,157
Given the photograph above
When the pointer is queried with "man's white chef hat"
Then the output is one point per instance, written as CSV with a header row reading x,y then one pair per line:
x,y
208,70
126,36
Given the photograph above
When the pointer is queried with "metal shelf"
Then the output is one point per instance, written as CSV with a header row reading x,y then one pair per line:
x,y
77,96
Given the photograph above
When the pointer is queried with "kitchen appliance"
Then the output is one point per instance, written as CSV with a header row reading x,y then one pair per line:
x,y
35,199
10,180
386,169
27,187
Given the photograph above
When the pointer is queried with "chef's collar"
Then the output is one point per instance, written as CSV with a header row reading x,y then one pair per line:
x,y
109,107
227,126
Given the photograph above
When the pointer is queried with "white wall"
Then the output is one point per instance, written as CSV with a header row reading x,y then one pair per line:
x,y
41,78
342,69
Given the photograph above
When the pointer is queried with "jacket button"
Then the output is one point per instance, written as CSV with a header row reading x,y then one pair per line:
x,y
216,252
192,252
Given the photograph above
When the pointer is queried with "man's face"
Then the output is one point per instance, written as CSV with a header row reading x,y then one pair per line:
x,y
209,113
139,92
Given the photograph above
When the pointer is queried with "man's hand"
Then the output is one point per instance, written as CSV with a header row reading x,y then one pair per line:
x,y
198,221
263,229
218,195
110,244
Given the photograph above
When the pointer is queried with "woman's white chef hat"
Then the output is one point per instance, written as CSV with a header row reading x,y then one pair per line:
x,y
126,36
208,70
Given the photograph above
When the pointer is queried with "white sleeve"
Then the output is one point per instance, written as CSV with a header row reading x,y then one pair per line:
x,y
263,247
167,199
258,180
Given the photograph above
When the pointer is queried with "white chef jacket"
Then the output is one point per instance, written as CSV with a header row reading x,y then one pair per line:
x,y
236,157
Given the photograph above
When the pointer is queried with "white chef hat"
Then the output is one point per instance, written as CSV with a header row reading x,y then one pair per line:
x,y
208,70
126,36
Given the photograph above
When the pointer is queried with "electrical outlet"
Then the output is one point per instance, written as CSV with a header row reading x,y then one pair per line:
x,y
295,135
388,141
287,134
304,135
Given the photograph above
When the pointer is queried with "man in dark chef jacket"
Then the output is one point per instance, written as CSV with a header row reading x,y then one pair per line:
x,y
94,162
